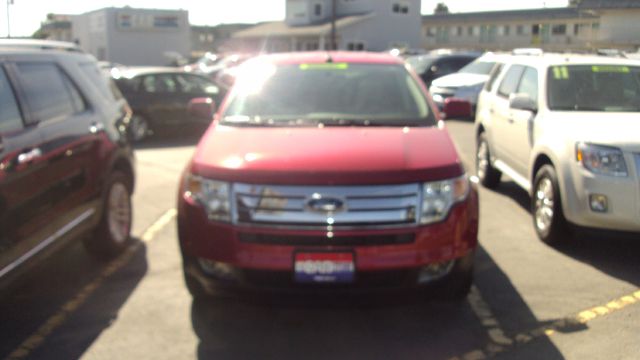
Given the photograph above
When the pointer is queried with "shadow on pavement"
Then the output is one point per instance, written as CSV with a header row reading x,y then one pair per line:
x,y
615,254
388,326
50,286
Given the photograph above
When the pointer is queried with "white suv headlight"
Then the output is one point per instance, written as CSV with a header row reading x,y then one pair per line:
x,y
599,159
213,195
439,196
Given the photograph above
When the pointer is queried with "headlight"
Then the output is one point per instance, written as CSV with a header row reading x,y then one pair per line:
x,y
439,196
213,195
604,160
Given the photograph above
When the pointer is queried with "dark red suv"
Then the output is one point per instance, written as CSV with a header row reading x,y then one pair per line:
x,y
66,166
327,171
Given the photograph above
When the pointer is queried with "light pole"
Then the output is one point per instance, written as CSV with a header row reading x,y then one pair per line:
x,y
9,2
333,25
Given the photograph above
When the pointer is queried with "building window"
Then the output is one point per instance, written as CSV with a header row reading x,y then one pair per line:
x,y
431,32
203,38
506,31
210,38
459,31
559,29
311,46
535,29
400,8
470,31
317,10
595,26
520,30
355,46
576,29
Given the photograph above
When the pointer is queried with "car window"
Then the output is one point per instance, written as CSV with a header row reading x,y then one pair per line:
x,y
49,92
196,85
529,83
10,118
511,80
164,83
594,88
329,93
99,80
448,66
494,76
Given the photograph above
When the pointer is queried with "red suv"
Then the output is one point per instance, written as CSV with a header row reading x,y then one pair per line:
x,y
327,171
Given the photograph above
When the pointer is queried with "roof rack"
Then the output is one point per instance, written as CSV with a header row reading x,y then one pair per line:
x,y
528,51
39,45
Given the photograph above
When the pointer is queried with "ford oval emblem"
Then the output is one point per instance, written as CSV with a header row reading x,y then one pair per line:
x,y
322,204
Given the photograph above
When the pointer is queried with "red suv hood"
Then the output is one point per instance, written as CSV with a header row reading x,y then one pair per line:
x,y
326,156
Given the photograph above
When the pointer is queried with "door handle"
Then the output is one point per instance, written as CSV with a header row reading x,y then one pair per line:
x,y
29,156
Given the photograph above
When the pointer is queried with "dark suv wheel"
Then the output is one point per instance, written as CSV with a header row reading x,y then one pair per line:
x,y
113,233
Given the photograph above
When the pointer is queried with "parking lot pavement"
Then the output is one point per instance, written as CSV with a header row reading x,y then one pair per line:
x,y
529,301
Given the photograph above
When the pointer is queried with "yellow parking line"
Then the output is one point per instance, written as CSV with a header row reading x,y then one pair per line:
x,y
581,317
55,321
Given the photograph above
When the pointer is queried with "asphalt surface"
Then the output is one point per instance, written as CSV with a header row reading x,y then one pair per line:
x,y
530,301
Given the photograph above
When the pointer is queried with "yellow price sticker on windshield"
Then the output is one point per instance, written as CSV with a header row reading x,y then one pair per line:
x,y
560,72
324,66
610,69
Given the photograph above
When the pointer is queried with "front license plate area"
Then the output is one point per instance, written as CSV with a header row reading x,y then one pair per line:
x,y
324,267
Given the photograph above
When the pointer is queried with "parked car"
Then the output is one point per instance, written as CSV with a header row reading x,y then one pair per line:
x,y
466,84
66,166
327,170
565,128
435,65
159,98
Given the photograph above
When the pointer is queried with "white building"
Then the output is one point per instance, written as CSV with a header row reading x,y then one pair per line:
x,y
133,36
590,25
373,25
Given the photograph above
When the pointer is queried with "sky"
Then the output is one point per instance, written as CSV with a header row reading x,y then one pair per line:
x,y
26,15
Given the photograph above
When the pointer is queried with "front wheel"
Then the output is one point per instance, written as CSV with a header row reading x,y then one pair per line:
x,y
546,207
488,175
113,232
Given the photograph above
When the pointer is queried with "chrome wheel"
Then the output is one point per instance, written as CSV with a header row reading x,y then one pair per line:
x,y
544,205
482,159
139,128
119,213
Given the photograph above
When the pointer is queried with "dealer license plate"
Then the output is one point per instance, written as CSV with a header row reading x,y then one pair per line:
x,y
319,267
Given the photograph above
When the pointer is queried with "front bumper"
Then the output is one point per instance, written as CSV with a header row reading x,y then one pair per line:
x,y
389,261
623,199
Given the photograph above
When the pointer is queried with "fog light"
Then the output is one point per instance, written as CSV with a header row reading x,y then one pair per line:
x,y
218,270
598,203
434,271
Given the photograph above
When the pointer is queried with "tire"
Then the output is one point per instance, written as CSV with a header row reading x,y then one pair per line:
x,y
546,207
195,288
112,235
456,286
139,128
488,175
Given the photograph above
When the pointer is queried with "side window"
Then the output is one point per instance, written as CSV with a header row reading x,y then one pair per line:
x,y
529,83
495,72
159,84
10,119
511,80
446,66
49,92
196,85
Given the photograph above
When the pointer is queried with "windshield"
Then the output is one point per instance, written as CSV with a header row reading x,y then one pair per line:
x,y
478,67
613,88
328,93
420,63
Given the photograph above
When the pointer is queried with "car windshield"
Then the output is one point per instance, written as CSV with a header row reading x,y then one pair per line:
x,y
478,67
421,63
611,88
332,94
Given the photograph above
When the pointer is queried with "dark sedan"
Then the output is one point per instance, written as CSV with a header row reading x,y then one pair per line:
x,y
159,98
434,65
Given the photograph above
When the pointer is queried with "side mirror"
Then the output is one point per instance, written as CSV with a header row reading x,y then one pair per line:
x,y
523,102
202,108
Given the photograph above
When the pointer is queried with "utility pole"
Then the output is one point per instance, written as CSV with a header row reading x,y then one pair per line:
x,y
9,2
333,45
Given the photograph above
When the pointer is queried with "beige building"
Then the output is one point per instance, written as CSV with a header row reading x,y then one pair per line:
x,y
592,24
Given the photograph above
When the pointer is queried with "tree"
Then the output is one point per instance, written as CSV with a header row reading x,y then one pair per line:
x,y
441,8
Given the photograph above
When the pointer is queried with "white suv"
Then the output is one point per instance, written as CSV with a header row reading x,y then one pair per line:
x,y
566,128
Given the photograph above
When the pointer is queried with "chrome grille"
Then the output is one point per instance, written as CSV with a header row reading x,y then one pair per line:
x,y
387,205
